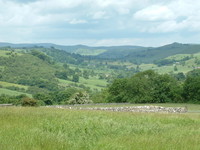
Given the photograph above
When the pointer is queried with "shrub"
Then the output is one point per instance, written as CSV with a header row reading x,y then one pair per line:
x,y
26,101
80,98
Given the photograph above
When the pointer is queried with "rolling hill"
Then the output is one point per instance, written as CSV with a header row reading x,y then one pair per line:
x,y
135,54
46,67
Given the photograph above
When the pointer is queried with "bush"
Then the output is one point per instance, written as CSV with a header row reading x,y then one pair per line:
x,y
100,97
80,98
26,101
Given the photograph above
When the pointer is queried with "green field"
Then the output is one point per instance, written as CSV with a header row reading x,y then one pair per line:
x,y
4,53
12,93
92,83
51,128
7,84
91,52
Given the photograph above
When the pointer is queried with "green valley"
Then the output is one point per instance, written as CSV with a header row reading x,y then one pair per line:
x,y
49,69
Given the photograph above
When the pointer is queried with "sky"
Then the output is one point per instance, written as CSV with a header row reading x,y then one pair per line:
x,y
100,22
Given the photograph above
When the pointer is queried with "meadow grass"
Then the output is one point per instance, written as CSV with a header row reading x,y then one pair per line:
x,y
57,129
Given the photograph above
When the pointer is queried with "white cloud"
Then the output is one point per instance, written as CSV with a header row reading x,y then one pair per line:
x,y
100,15
154,13
167,26
175,16
75,21
124,11
125,20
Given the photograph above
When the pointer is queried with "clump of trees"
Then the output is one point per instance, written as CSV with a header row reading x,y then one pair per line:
x,y
151,87
191,87
56,97
67,96
143,87
22,100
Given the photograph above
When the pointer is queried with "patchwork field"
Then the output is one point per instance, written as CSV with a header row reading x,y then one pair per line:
x,y
51,128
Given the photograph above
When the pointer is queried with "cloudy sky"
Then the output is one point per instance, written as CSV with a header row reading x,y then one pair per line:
x,y
100,22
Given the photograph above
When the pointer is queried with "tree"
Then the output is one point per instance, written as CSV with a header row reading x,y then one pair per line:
x,y
191,87
175,68
145,87
26,101
167,89
42,56
180,76
66,66
62,74
80,98
75,78
117,91
99,96
61,97
46,98
85,74
141,87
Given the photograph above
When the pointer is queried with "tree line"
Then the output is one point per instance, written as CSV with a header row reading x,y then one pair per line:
x,y
143,87
151,87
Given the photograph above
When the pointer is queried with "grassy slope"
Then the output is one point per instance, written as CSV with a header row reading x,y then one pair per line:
x,y
26,65
47,128
150,55
12,93
7,84
92,83
91,52
95,83
189,64
4,53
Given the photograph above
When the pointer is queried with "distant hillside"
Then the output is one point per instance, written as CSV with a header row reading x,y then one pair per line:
x,y
115,52
150,55
102,51
26,45
43,68
134,54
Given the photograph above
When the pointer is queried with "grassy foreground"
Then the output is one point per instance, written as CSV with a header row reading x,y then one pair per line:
x,y
57,129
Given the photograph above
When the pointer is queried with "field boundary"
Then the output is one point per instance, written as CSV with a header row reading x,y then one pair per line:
x,y
149,109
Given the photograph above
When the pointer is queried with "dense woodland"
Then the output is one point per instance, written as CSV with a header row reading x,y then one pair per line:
x,y
47,75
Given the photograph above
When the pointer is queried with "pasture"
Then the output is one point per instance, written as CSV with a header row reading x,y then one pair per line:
x,y
12,93
7,84
51,128
93,83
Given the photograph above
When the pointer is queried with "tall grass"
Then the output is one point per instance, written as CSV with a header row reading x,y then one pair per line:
x,y
52,129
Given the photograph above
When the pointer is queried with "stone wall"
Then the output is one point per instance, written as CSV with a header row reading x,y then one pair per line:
x,y
5,105
148,109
